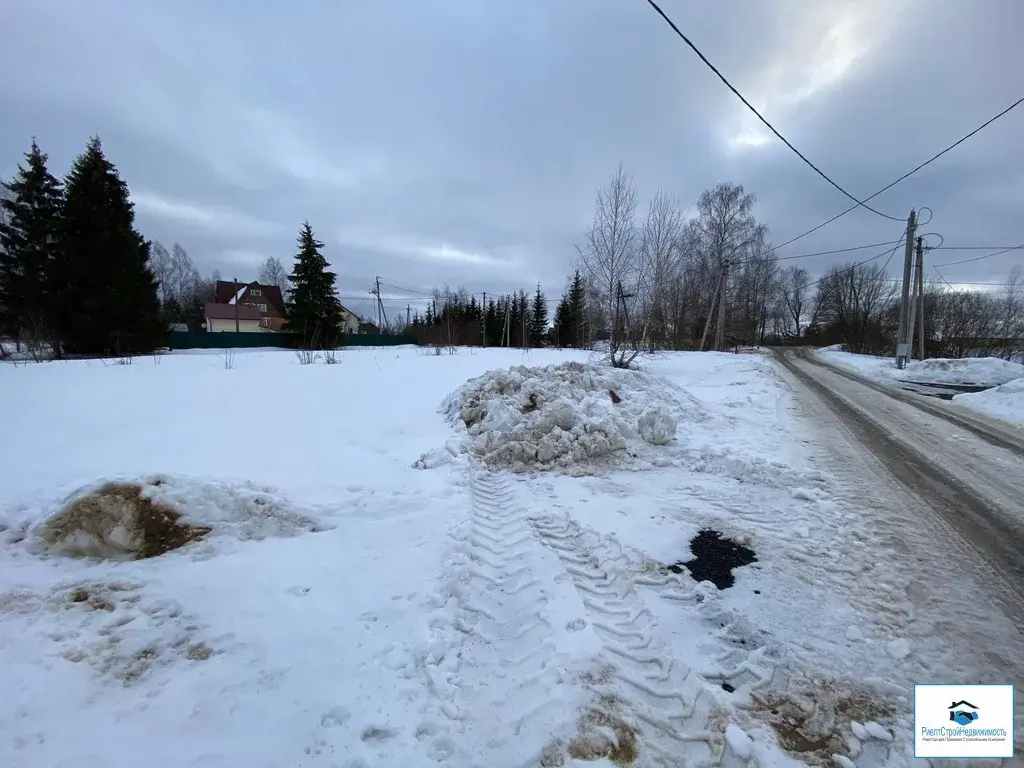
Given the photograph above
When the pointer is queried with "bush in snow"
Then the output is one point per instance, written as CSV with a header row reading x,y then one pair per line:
x,y
565,416
133,520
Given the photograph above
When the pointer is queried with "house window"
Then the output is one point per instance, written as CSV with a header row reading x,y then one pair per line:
x,y
255,292
261,307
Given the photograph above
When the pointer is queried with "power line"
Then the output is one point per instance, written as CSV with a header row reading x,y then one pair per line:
x,y
852,267
889,186
975,247
837,250
979,258
760,117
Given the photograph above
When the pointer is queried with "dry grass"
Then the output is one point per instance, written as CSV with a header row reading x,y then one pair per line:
x,y
602,733
811,723
116,520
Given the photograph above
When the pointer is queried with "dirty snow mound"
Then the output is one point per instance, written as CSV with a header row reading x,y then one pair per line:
x,y
990,371
564,417
1004,402
134,519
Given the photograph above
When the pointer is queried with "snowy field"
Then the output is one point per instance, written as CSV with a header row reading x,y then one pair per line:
x,y
415,560
1005,399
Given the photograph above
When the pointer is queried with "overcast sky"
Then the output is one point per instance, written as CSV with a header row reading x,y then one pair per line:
x,y
461,141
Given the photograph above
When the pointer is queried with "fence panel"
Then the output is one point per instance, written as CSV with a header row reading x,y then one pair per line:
x,y
243,340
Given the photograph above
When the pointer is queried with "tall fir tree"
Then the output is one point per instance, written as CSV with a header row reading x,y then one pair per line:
x,y
32,206
577,312
313,310
107,294
539,319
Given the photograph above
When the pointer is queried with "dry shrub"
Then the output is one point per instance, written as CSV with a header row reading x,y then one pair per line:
x,y
117,521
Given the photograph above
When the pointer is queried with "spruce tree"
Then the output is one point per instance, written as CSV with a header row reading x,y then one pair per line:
x,y
577,311
539,319
563,336
313,310
106,291
31,207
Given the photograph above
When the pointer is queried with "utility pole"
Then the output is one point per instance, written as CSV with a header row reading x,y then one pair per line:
x,y
711,311
483,322
920,297
376,293
902,337
720,331
235,302
764,320
408,316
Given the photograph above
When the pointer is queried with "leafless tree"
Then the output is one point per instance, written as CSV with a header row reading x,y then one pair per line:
x,y
160,264
661,254
726,230
610,258
855,299
272,272
793,290
183,275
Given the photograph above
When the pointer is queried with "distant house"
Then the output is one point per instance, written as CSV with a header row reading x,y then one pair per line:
x,y
267,299
228,318
368,328
349,320
177,327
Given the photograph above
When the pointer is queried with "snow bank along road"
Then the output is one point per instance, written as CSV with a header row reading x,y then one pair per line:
x,y
966,469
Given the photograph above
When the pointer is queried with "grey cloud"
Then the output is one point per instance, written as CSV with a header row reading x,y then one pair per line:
x,y
411,133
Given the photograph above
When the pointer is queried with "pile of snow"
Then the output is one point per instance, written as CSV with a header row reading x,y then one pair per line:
x,y
982,371
135,519
564,417
1004,402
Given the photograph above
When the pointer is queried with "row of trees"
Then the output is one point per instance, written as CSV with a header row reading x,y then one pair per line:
x,y
74,272
649,281
454,317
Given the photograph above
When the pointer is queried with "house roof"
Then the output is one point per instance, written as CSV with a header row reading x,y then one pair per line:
x,y
217,311
225,293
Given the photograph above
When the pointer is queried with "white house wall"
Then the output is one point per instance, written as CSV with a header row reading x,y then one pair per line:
x,y
228,326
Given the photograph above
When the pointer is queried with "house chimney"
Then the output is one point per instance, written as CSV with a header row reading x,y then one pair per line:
x,y
235,280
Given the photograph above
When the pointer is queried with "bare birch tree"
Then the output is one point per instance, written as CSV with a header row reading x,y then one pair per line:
x,y
610,257
661,255
272,272
793,292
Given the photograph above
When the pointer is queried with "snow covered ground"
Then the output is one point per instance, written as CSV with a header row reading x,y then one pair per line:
x,y
1004,401
388,574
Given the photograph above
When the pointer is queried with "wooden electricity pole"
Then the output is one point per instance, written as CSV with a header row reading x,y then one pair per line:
x,y
902,336
720,330
711,312
920,297
483,322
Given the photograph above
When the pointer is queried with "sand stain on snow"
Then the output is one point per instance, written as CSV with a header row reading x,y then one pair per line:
x,y
116,520
812,723
714,558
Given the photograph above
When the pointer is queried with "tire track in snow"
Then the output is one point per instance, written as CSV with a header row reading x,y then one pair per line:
x,y
677,717
505,692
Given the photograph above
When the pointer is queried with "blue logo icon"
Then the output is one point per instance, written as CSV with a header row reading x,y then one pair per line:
x,y
963,712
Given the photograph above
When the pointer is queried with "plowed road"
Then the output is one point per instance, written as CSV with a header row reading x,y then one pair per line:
x,y
967,470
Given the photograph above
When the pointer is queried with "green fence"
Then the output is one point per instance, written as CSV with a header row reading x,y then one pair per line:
x,y
228,340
